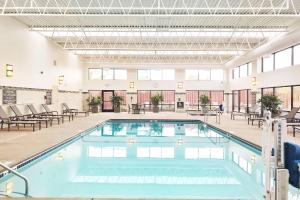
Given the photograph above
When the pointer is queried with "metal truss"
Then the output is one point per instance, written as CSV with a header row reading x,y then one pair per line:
x,y
119,59
149,8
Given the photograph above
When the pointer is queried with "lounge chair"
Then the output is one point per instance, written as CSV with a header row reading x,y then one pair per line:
x,y
67,110
36,114
55,113
6,119
290,117
20,116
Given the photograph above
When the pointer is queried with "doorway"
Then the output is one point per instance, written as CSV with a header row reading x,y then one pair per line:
x,y
107,106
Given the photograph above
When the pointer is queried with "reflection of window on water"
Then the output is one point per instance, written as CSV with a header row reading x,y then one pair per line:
x,y
107,130
191,129
155,152
107,152
242,163
168,130
201,153
143,131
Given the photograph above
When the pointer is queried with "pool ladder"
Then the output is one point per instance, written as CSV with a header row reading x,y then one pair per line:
x,y
19,175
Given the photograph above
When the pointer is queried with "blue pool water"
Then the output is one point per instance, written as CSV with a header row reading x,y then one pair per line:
x,y
146,159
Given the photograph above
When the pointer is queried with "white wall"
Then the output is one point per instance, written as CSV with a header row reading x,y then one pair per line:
x,y
30,54
280,77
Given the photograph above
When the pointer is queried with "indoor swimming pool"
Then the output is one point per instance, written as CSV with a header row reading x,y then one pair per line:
x,y
145,159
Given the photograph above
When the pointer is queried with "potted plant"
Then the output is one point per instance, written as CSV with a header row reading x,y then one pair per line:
x,y
204,101
94,102
155,100
270,103
116,101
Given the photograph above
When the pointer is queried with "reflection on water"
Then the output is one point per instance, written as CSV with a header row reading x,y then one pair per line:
x,y
147,159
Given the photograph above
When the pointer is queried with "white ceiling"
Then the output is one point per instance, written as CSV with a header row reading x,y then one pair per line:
x,y
211,31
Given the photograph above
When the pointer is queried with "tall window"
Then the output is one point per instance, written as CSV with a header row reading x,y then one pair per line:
x,y
143,74
120,74
217,97
283,58
249,69
217,74
297,55
191,74
204,74
284,94
108,74
243,100
236,73
244,70
168,74
156,74
296,96
95,74
268,91
267,63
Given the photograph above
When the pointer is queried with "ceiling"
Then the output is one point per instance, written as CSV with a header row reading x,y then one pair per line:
x,y
156,31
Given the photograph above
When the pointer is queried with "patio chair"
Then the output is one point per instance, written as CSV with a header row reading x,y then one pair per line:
x,y
55,113
6,119
66,110
290,117
20,116
36,114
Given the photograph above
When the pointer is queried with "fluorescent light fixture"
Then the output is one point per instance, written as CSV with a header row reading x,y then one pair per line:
x,y
61,79
151,52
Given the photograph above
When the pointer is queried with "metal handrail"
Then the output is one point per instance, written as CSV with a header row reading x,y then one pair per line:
x,y
19,175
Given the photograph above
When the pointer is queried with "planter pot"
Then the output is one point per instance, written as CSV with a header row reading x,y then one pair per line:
x,y
204,109
117,109
94,109
155,109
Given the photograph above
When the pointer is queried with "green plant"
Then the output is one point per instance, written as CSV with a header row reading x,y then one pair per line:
x,y
204,100
271,103
94,101
116,100
156,99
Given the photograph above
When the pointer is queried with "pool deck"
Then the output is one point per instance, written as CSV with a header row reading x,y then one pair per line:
x,y
16,146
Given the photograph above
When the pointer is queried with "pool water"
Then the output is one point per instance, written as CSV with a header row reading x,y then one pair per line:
x,y
146,159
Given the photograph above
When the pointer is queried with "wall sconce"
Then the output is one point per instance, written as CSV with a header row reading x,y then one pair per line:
x,y
131,85
253,81
9,70
180,85
61,79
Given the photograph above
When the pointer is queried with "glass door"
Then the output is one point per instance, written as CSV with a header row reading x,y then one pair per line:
x,y
107,106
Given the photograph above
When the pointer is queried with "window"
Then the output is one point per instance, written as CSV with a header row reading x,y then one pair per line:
x,y
283,58
297,55
120,74
108,74
296,96
204,74
267,63
156,74
244,70
236,73
191,74
143,74
284,94
217,97
168,74
268,91
217,74
95,74
249,69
